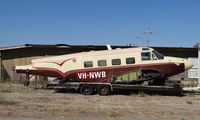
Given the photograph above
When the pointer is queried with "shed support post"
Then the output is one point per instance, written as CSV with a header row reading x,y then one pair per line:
x,y
27,82
198,84
0,66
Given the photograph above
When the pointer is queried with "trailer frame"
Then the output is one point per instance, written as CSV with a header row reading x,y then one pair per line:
x,y
113,86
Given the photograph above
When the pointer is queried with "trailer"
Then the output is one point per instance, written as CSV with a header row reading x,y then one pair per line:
x,y
89,88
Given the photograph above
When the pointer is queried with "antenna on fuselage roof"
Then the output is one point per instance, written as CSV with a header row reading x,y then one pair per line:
x,y
109,47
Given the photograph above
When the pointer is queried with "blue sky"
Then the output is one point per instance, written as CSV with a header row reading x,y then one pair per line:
x,y
174,23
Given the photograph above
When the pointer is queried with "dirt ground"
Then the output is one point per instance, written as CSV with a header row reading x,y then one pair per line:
x,y
21,103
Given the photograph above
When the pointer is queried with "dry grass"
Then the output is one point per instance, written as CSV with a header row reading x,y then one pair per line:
x,y
12,87
46,104
5,101
140,94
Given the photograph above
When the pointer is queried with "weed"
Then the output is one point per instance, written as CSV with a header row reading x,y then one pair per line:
x,y
189,102
142,94
4,101
12,87
139,94
113,114
40,106
67,98
3,81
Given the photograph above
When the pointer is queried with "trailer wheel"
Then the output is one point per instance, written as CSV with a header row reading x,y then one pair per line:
x,y
86,90
104,90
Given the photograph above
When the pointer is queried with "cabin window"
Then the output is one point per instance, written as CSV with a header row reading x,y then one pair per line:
x,y
116,61
88,64
130,60
102,63
146,56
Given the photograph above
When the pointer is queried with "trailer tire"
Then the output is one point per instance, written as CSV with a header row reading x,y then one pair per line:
x,y
104,90
86,90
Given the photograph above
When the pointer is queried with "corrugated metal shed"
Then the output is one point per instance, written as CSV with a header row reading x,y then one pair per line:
x,y
23,54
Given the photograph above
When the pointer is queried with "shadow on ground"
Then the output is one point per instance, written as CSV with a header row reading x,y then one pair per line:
x,y
129,92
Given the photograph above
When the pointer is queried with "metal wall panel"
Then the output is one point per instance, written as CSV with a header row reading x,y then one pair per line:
x,y
193,72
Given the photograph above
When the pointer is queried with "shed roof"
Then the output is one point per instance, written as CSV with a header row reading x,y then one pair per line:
x,y
69,46
57,46
94,47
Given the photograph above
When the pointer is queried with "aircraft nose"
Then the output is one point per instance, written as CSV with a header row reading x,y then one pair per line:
x,y
188,64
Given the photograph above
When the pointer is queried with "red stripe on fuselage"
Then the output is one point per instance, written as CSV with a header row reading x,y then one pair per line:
x,y
60,64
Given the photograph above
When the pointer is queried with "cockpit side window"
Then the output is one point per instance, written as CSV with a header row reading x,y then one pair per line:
x,y
154,57
146,56
158,55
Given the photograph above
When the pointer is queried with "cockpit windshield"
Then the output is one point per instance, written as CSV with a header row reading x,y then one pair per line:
x,y
158,55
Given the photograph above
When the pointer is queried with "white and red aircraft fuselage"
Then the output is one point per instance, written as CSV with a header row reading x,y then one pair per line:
x,y
107,65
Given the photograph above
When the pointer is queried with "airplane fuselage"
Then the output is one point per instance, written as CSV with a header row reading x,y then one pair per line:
x,y
107,65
